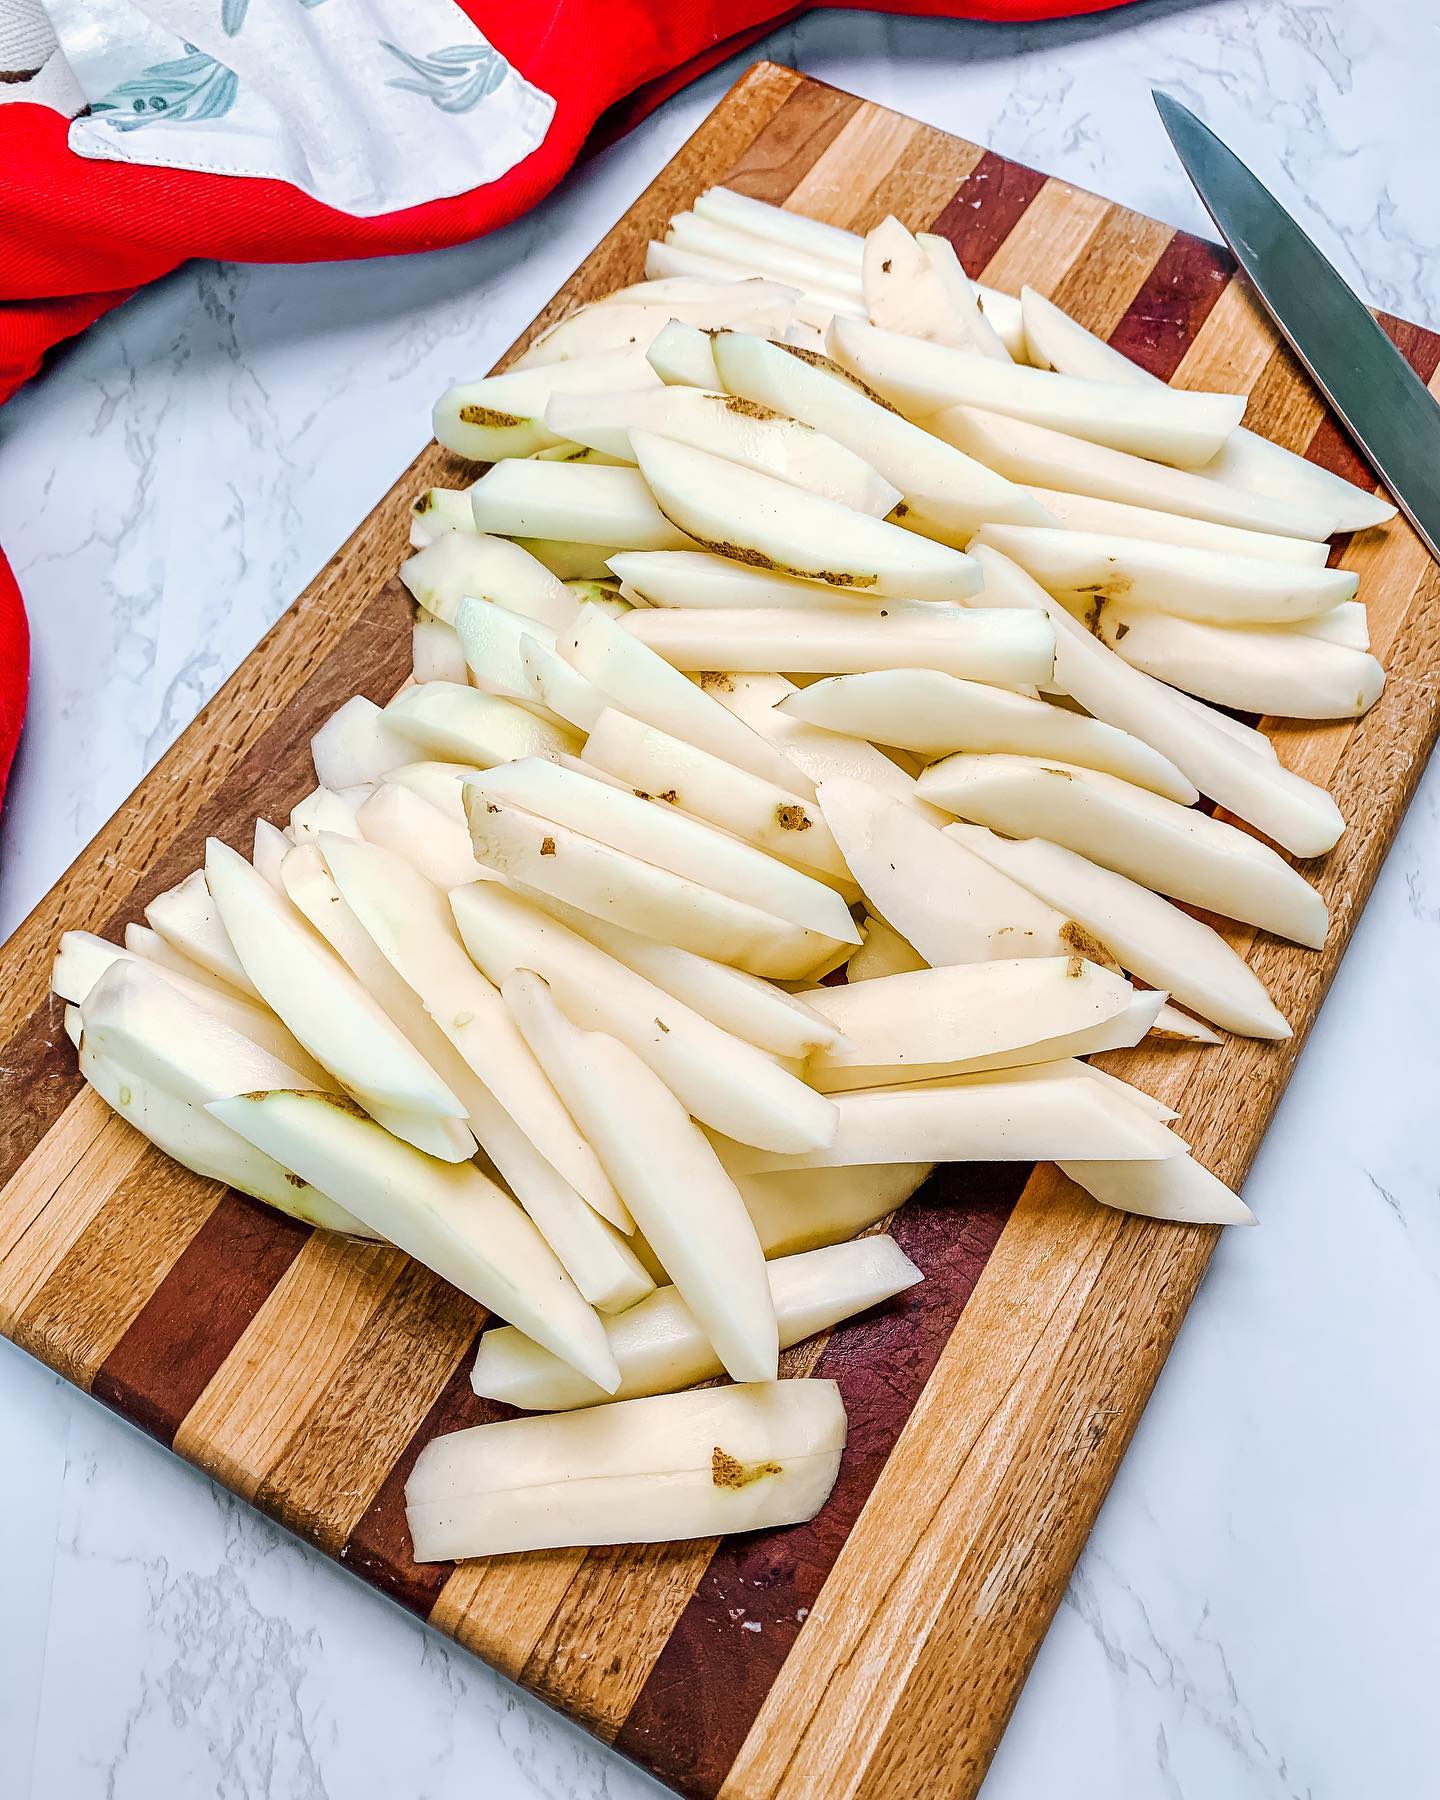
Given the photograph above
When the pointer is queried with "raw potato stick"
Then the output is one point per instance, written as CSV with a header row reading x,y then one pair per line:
x,y
1177,1188
670,1178
486,568
659,1346
968,642
756,519
504,415
460,724
1152,938
641,1471
935,714
1087,570
1173,849
1084,512
1168,425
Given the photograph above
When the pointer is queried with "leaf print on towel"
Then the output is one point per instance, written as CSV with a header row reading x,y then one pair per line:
x,y
191,87
454,79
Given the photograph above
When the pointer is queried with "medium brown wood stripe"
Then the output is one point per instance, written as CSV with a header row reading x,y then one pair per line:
x,y
921,184
1232,346
32,1186
1119,259
688,1724
100,1285
863,151
498,1607
239,1427
1165,316
62,1213
789,144
195,1317
985,209
1061,218
392,1371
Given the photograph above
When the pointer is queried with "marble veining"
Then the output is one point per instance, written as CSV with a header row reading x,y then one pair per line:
x,y
1256,1614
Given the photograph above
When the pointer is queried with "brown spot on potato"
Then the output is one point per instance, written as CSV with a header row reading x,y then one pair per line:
x,y
492,420
547,846
749,409
1120,630
1075,937
1075,968
663,1026
887,265
727,1471
790,817
900,510
425,502
490,806
670,797
294,1179
716,681
640,794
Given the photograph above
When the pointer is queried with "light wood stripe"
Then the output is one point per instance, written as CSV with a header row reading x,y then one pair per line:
x,y
498,1608
1231,348
864,151
31,1188
1110,270
921,184
239,1427
1053,231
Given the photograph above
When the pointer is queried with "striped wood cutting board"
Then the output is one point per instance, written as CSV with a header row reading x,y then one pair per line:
x,y
879,1650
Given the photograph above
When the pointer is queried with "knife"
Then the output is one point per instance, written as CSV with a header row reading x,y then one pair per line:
x,y
1387,408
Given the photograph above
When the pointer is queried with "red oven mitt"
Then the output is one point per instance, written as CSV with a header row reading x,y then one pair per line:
x,y
78,236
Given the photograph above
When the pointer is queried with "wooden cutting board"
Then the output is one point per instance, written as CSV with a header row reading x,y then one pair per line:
x,y
879,1650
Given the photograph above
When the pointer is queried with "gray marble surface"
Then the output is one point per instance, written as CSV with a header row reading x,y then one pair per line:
x,y
1256,1614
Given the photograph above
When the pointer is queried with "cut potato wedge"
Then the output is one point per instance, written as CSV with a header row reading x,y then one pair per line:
x,y
186,1132
356,744
150,947
83,958
443,720
1177,1188
884,952
934,714
681,356
1165,424
486,568
318,998
579,503
1253,464
721,1080
448,1216
436,783
592,330
411,925
1284,674
1088,570
777,820
949,906
270,848
436,844
436,511
754,518
1171,1023
504,415
642,1471
619,888
947,494
560,689
187,918
644,685
906,290
325,810
660,1347
1083,512
669,1177
695,579
1348,624
962,296
1225,759
435,650
1042,458
740,430
968,1010
492,639
805,1209
1173,849
697,236
569,561
656,833
757,1011
966,641
1150,937
1034,1114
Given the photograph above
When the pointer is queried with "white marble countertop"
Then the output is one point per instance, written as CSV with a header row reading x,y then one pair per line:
x,y
1258,1612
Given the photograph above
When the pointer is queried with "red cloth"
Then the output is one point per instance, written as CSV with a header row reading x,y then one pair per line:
x,y
78,236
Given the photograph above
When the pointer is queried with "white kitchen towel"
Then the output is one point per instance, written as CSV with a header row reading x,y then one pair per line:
x,y
369,105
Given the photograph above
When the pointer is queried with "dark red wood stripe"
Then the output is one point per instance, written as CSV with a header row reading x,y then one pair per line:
x,y
379,1548
1174,301
716,1668
986,208
194,1319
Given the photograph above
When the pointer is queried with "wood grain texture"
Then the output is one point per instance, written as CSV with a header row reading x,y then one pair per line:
x,y
876,1652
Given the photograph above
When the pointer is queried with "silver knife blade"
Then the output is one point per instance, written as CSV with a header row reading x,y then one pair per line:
x,y
1384,404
